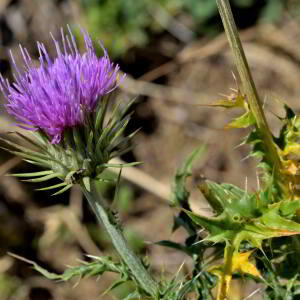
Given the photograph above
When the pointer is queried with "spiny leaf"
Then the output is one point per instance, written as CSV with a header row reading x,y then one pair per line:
x,y
35,163
42,162
113,116
41,137
101,113
278,225
221,228
108,165
33,174
90,144
229,198
179,192
24,149
127,106
52,187
244,121
87,183
121,152
44,178
120,130
63,190
30,141
121,142
98,266
78,140
41,270
235,100
133,296
100,140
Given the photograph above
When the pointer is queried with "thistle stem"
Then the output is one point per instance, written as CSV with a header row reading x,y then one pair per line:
x,y
247,81
227,273
129,257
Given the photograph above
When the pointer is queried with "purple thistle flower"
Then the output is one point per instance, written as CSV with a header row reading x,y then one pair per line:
x,y
58,94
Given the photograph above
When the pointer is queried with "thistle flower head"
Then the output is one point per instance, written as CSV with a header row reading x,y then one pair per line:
x,y
64,104
58,94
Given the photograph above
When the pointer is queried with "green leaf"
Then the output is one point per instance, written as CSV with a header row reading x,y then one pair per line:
x,y
52,187
87,183
63,190
101,112
44,178
119,129
24,149
41,270
78,139
30,141
230,198
221,228
133,296
108,165
90,144
41,162
244,121
179,193
33,174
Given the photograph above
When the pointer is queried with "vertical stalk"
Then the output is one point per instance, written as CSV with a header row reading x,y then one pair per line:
x,y
247,81
120,244
227,273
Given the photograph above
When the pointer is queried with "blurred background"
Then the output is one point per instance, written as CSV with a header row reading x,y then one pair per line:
x,y
177,60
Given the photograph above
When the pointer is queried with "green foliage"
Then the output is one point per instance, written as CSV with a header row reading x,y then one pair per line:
x,y
243,221
179,193
96,267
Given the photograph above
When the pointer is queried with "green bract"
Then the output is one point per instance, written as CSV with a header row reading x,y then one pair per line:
x,y
84,152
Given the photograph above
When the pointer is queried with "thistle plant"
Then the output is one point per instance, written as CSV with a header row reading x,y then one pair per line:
x,y
64,106
244,222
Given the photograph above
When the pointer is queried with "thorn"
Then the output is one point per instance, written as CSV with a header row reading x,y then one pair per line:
x,y
196,243
179,269
263,252
234,77
77,282
245,158
252,294
264,102
239,145
21,258
257,181
201,230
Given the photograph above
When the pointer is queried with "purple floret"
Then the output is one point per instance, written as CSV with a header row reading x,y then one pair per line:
x,y
57,94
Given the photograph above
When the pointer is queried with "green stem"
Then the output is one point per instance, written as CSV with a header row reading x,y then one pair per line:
x,y
247,80
227,273
120,244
